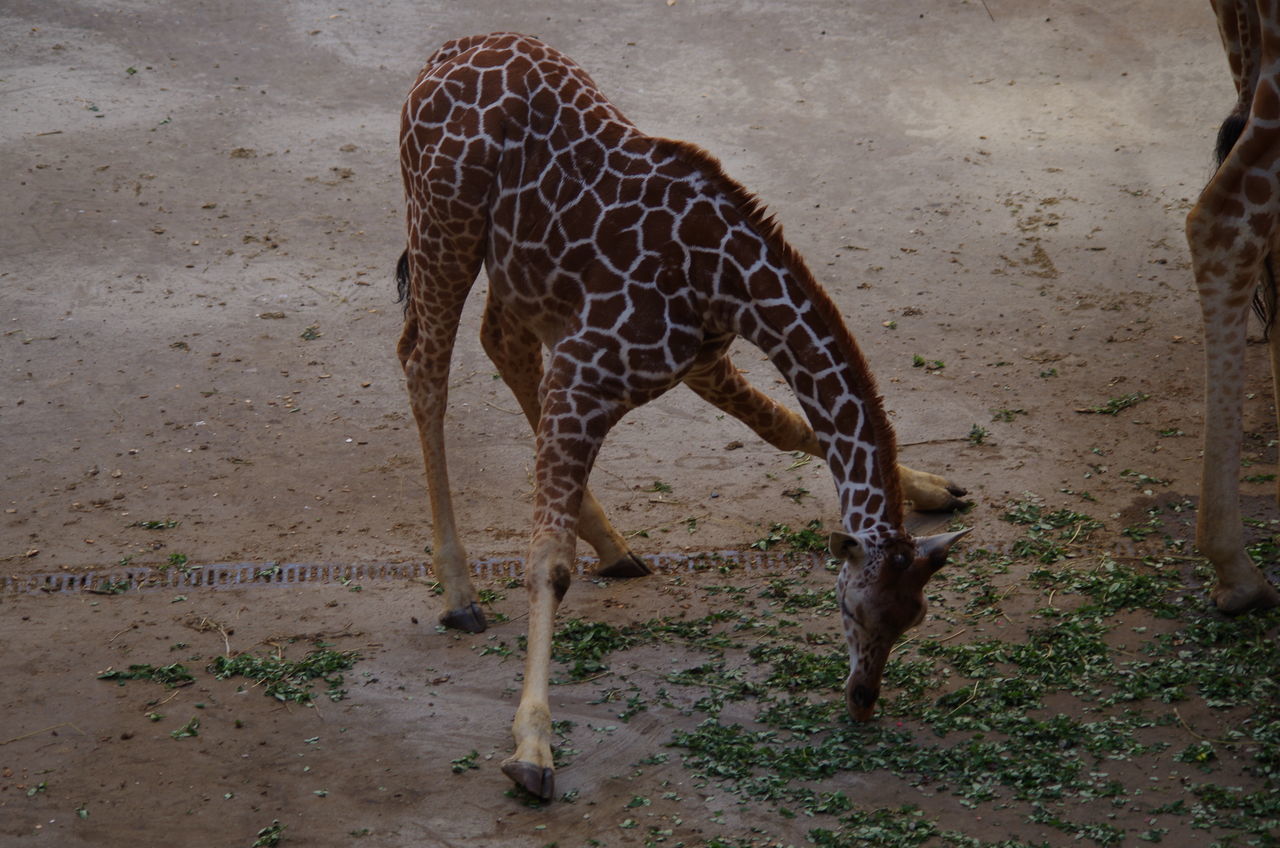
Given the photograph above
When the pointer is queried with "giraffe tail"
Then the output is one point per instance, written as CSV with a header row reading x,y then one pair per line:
x,y
1264,296
402,279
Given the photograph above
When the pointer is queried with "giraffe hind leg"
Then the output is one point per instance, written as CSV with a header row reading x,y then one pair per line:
x,y
436,292
719,382
517,354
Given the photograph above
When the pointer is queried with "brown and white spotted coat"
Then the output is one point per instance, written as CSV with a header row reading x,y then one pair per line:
x,y
633,261
1232,234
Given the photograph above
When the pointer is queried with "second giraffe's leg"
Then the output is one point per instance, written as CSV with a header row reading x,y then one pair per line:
x,y
569,436
719,383
1224,302
1273,347
517,354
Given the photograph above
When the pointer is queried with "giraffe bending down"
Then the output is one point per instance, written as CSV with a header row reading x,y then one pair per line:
x,y
1232,233
634,261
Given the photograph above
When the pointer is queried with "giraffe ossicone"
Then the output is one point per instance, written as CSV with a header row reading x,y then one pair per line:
x,y
1232,232
633,262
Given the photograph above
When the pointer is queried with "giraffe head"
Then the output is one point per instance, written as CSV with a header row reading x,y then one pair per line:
x,y
881,594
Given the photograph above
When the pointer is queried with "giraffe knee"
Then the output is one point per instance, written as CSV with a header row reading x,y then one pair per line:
x,y
560,581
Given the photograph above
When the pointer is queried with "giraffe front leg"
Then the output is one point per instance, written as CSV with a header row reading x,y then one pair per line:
x,y
573,426
721,384
532,765
929,492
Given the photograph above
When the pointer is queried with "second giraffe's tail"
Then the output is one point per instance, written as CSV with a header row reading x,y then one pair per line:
x,y
402,279
1264,296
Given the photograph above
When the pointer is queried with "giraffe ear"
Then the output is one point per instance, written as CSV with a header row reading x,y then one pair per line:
x,y
931,551
845,547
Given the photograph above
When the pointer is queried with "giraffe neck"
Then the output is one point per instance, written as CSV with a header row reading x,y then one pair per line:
x,y
778,306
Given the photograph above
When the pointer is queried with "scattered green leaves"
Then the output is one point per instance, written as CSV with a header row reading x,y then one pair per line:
x,y
1116,405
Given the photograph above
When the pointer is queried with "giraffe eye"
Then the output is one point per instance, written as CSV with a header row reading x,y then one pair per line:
x,y
900,560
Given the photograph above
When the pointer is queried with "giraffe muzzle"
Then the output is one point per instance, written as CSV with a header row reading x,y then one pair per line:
x,y
861,701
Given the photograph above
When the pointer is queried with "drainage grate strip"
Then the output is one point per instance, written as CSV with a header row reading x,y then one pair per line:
x,y
233,575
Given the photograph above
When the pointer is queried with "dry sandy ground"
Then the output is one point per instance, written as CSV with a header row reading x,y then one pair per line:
x,y
201,214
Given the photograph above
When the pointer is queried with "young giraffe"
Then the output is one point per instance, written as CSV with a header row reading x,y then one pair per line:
x,y
634,261
1232,232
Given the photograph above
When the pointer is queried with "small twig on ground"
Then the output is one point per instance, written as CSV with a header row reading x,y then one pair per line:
x,y
503,409
976,687
43,730
933,442
583,680
1182,721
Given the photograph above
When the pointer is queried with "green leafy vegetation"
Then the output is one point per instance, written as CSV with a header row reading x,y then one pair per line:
x,y
467,762
283,679
290,680
269,836
1116,405
158,524
811,537
174,674
918,361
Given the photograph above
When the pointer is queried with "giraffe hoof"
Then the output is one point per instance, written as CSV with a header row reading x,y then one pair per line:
x,y
629,566
534,779
469,618
1242,599
950,500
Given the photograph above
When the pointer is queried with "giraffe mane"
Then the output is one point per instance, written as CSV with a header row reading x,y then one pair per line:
x,y
766,225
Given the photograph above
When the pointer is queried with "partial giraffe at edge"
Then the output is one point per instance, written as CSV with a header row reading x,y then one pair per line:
x,y
634,262
1232,233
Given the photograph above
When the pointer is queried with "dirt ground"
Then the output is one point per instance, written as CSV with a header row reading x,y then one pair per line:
x,y
202,212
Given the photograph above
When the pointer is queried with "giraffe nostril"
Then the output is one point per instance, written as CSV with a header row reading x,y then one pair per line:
x,y
863,696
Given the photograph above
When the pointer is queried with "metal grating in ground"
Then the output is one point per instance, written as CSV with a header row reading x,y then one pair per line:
x,y
262,574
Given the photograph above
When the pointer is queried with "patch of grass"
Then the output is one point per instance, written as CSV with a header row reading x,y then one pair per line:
x,y
172,675
290,680
1116,405
109,586
188,730
978,435
810,538
1050,533
1143,480
466,762
582,645
158,524
918,361
269,836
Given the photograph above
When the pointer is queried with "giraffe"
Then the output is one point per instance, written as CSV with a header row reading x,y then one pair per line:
x,y
634,261
1231,232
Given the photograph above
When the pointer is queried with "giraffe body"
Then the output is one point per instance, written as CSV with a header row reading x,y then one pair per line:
x,y
633,261
1232,232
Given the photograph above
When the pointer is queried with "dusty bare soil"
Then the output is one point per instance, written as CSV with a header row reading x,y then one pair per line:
x,y
201,214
